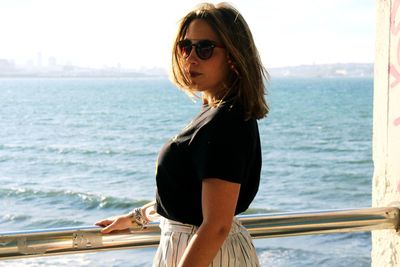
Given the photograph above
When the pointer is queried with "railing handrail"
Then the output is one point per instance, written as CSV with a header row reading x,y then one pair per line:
x,y
70,240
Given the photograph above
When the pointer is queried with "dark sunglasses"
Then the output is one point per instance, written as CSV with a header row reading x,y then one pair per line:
x,y
204,48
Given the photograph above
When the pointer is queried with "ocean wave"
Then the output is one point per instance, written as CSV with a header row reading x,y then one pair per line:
x,y
60,261
366,161
87,201
309,165
66,150
363,238
5,158
13,218
307,256
259,211
45,224
282,256
70,150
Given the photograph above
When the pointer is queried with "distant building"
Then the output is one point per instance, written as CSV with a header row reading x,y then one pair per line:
x,y
52,62
39,60
341,72
325,70
6,65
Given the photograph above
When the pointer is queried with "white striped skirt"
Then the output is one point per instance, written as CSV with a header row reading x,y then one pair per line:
x,y
237,250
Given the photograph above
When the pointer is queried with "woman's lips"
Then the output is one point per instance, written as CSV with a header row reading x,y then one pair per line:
x,y
194,74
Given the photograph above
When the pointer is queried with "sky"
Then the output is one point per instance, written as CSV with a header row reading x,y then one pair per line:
x,y
138,34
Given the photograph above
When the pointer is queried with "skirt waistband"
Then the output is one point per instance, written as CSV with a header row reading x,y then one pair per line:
x,y
168,225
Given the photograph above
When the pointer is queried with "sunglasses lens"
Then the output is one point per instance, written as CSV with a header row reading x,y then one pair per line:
x,y
204,49
185,47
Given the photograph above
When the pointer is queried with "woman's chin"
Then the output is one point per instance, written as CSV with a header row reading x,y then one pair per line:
x,y
197,87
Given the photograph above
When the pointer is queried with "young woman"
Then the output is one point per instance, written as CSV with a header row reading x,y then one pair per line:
x,y
210,171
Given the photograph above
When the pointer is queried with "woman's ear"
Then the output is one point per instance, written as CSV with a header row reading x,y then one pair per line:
x,y
232,65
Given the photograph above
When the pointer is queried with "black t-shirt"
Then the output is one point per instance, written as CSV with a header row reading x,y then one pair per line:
x,y
218,143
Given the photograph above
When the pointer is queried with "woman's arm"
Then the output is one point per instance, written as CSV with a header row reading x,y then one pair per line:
x,y
219,199
124,221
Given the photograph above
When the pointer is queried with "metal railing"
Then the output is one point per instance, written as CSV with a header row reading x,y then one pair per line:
x,y
38,243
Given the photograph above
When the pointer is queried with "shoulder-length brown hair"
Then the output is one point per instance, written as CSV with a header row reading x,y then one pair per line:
x,y
248,81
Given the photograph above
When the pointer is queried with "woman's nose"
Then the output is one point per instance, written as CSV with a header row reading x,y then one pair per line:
x,y
192,57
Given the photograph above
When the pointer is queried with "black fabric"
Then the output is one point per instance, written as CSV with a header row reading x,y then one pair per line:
x,y
218,143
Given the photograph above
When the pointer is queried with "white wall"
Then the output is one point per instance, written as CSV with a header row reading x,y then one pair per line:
x,y
386,129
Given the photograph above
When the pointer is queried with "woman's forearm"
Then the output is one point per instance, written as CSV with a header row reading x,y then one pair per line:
x,y
204,245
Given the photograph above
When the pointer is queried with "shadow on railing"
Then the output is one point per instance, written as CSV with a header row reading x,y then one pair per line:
x,y
38,243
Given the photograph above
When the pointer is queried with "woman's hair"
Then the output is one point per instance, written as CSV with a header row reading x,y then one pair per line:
x,y
247,81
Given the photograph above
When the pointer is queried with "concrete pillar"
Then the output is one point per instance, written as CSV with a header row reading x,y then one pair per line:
x,y
386,129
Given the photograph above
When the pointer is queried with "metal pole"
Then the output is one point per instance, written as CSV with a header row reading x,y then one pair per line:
x,y
38,243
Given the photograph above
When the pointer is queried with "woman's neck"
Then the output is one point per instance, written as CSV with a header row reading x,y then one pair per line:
x,y
215,98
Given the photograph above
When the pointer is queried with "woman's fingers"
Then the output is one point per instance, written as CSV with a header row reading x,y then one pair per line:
x,y
119,223
104,223
109,228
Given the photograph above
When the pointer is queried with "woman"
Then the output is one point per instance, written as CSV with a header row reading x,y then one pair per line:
x,y
210,171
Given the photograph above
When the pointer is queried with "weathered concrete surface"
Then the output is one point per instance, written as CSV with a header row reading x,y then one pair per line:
x,y
386,130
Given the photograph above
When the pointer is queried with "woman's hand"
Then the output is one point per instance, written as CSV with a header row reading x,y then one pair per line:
x,y
124,221
121,222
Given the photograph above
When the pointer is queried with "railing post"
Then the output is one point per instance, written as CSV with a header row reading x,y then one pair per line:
x,y
386,129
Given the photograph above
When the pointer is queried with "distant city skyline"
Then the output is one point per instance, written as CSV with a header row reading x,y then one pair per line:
x,y
133,34
9,69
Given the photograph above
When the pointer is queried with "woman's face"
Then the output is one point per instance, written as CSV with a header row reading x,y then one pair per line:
x,y
206,75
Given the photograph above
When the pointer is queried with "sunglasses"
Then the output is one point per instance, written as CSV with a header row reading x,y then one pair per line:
x,y
204,48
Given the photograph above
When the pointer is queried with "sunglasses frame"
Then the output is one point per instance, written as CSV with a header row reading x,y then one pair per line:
x,y
198,49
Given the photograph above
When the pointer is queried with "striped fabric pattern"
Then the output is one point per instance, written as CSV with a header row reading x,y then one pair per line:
x,y
237,251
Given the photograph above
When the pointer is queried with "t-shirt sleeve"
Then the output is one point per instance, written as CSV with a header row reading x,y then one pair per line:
x,y
222,151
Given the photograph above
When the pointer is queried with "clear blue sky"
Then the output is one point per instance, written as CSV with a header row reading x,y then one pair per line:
x,y
138,34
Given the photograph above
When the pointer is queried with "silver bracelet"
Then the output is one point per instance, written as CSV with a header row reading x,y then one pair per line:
x,y
136,216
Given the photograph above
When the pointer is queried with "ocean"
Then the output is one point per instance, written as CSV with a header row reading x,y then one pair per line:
x,y
76,150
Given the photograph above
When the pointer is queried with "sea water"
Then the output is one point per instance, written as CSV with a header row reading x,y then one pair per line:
x,y
76,150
